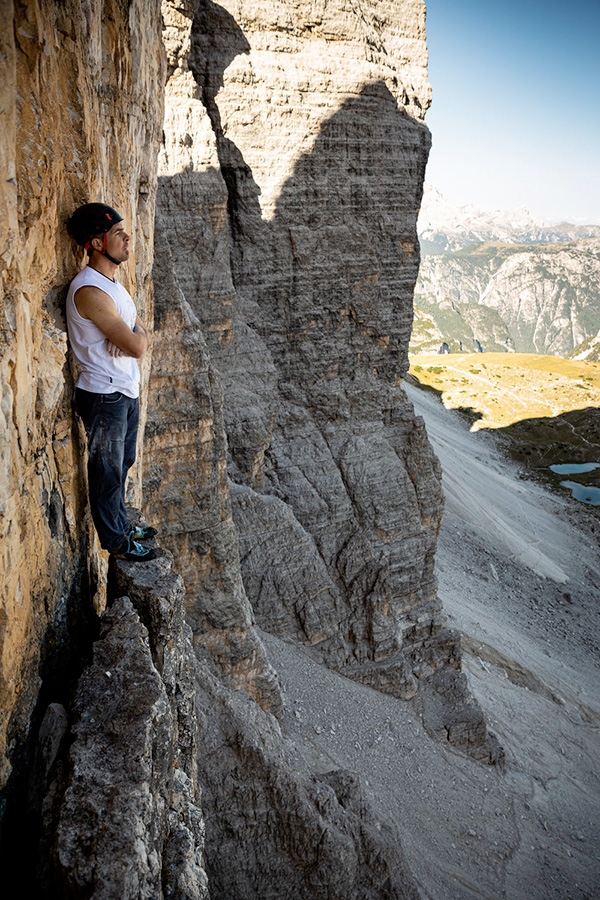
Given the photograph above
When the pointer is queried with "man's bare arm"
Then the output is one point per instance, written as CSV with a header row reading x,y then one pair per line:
x,y
100,308
115,351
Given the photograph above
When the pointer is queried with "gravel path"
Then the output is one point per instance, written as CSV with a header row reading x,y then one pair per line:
x,y
519,572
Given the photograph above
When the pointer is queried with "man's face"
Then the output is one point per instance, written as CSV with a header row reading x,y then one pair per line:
x,y
117,242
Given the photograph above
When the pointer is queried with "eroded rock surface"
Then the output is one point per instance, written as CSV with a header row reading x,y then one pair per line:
x,y
129,823
151,724
289,186
80,119
186,490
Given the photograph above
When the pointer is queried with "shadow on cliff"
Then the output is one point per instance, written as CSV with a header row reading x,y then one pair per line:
x,y
344,253
365,168
329,280
216,41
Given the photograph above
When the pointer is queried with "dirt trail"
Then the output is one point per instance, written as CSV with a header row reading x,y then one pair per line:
x,y
519,573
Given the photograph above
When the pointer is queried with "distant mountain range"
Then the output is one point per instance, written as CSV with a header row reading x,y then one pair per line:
x,y
444,227
502,281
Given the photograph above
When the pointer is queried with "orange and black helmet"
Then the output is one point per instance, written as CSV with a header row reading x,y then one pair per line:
x,y
90,220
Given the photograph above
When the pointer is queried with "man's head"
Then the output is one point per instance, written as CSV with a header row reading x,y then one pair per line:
x,y
99,228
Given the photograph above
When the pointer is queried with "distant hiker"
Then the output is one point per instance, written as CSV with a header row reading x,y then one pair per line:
x,y
107,338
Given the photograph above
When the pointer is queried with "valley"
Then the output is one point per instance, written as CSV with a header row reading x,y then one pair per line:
x,y
503,282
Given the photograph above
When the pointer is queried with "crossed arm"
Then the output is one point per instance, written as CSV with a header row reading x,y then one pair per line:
x,y
121,340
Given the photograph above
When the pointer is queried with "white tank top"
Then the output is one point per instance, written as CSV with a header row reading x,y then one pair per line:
x,y
99,372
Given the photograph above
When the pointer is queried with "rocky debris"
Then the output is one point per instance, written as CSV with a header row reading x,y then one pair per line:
x,y
274,828
451,713
588,350
164,757
129,822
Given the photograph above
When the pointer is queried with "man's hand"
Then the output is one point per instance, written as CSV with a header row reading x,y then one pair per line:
x,y
113,349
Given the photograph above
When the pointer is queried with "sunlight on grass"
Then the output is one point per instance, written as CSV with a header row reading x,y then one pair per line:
x,y
501,389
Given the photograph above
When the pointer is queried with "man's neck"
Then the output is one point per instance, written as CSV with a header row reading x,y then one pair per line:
x,y
103,265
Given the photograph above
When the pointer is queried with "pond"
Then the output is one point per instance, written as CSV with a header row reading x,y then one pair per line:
x,y
574,468
582,492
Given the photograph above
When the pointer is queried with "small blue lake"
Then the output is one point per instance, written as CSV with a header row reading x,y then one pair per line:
x,y
581,492
574,468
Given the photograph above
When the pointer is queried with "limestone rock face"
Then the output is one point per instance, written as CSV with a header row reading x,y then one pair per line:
x,y
186,485
289,187
124,723
80,119
549,296
186,489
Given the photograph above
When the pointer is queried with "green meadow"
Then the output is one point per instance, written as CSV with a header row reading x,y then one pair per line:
x,y
546,408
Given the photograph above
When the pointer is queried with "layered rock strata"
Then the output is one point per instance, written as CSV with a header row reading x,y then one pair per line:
x,y
186,489
290,229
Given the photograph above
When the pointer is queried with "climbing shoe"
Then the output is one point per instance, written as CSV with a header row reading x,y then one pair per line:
x,y
141,532
133,552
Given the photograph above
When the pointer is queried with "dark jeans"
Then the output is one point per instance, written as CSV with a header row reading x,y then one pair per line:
x,y
111,423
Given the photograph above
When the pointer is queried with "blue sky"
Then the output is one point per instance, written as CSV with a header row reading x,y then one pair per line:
x,y
515,117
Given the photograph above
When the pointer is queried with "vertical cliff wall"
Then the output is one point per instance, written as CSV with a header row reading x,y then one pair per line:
x,y
289,184
81,116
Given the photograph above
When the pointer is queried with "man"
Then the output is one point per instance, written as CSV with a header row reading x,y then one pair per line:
x,y
107,339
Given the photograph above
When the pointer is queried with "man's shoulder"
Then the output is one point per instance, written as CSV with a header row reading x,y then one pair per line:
x,y
86,276
91,278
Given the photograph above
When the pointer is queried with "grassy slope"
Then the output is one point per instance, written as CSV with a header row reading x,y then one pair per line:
x,y
548,408
508,387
